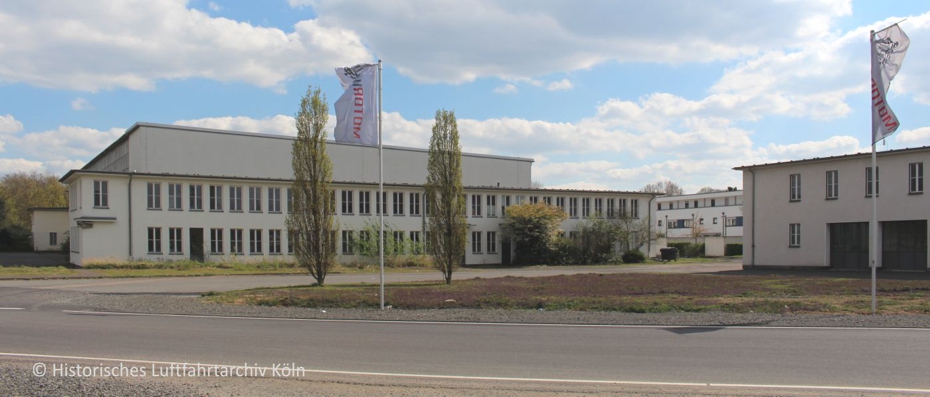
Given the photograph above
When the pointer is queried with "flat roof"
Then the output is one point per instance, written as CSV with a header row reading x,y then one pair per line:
x,y
830,158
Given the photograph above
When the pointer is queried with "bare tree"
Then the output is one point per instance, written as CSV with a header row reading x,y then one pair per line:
x,y
708,189
633,233
311,221
697,230
446,197
667,188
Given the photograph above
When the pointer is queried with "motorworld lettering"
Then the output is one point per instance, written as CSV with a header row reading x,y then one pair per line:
x,y
878,102
176,371
358,96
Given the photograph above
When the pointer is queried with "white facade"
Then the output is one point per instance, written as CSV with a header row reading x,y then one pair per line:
x,y
49,228
816,213
167,192
705,214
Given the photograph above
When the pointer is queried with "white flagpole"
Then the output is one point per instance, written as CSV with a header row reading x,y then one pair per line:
x,y
381,189
873,227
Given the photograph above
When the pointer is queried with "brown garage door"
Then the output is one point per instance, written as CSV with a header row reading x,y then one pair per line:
x,y
904,245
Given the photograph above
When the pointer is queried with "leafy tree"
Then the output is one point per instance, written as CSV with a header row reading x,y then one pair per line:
x,y
396,250
534,229
595,240
20,191
667,188
445,195
312,218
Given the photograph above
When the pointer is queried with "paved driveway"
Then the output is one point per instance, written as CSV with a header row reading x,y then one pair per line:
x,y
33,259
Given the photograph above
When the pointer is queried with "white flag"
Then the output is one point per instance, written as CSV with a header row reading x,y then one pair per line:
x,y
357,109
888,49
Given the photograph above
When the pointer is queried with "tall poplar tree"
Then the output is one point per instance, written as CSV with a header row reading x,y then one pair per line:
x,y
311,219
445,196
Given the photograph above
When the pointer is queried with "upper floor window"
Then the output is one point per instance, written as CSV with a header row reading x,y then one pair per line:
x,y
347,206
547,200
216,198
235,198
364,202
634,208
274,199
533,200
794,187
868,181
492,205
196,197
833,184
915,177
476,205
505,202
573,207
621,210
599,207
154,195
586,207
174,197
255,199
101,194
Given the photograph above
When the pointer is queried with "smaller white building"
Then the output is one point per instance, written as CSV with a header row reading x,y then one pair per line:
x,y
691,216
49,228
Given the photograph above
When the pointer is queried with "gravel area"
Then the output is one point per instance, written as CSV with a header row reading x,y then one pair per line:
x,y
168,304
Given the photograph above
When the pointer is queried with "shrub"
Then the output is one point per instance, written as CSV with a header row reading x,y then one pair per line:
x,y
633,256
733,249
689,250
682,248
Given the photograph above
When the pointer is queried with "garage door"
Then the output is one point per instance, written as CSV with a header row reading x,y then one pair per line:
x,y
849,246
904,245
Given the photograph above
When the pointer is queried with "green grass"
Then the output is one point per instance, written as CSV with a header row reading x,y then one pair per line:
x,y
635,293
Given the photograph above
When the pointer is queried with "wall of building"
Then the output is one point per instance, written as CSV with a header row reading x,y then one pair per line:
x,y
769,211
674,215
49,228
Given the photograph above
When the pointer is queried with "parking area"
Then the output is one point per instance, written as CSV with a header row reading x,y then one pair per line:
x,y
36,259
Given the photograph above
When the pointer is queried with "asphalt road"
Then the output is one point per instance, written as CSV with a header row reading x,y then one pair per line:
x,y
865,358
195,285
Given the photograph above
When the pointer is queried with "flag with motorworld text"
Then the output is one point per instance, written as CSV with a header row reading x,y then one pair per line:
x,y
888,49
357,108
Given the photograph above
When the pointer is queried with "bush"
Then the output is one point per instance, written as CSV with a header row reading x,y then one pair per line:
x,y
682,248
633,256
733,249
689,250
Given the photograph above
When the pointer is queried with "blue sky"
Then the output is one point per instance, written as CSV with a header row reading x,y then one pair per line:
x,y
603,94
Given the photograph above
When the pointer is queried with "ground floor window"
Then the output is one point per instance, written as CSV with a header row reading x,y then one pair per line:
x,y
216,241
492,242
255,241
53,239
174,240
274,242
476,242
235,241
154,240
794,235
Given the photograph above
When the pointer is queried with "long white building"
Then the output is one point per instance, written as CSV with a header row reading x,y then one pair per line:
x,y
816,212
164,192
716,214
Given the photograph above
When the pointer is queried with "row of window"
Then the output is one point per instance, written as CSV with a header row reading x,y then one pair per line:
x,y
915,182
731,221
348,197
713,203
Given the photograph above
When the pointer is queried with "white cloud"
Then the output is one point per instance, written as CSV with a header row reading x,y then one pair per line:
x,y
81,104
523,36
508,88
917,137
213,6
104,44
9,124
8,166
564,84
580,186
65,143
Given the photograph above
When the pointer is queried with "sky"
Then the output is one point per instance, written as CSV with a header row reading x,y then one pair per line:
x,y
607,95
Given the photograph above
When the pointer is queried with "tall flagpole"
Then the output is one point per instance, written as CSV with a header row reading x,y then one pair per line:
x,y
874,226
381,188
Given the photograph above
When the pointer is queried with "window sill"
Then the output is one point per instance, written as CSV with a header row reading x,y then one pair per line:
x,y
256,212
274,254
794,246
235,211
175,209
176,253
195,210
915,193
347,214
831,198
217,253
154,209
274,212
397,215
217,211
100,208
870,196
256,254
154,253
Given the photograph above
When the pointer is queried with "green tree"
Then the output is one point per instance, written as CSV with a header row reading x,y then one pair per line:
x,y
534,229
311,222
20,191
399,248
595,240
445,196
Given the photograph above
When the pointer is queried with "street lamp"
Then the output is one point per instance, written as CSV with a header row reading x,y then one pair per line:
x,y
724,225
666,225
693,229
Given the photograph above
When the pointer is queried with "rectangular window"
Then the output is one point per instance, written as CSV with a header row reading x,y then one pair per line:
x,y
101,194
794,235
364,202
621,209
833,185
235,241
274,241
216,198
255,199
586,207
695,203
290,200
154,195
216,241
547,200
399,242
415,204
505,202
634,208
534,199
154,239
715,220
794,187
255,241
476,242
235,198
379,208
174,240
347,206
53,239
915,178
713,203
196,197
660,223
560,202
868,181
174,197
476,205
348,241
687,205
599,207
573,207
492,242
398,203
274,200
491,202
521,199
416,246
611,208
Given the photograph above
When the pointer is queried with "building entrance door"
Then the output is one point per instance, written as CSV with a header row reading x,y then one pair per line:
x,y
849,246
196,248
